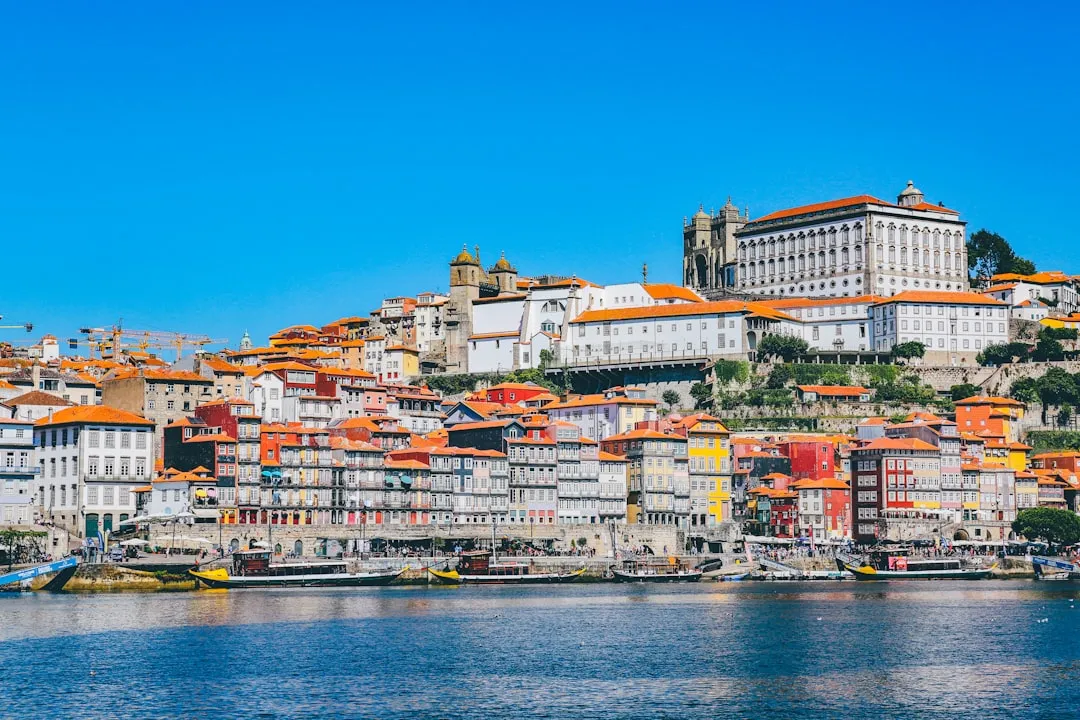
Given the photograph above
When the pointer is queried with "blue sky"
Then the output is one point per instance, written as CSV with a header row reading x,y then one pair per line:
x,y
216,167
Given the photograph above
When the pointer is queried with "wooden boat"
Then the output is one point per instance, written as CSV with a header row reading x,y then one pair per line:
x,y
479,567
50,576
895,565
669,571
253,569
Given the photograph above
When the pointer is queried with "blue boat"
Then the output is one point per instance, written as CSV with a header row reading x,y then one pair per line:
x,y
50,576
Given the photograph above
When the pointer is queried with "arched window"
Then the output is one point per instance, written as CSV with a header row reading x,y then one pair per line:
x,y
802,263
892,233
742,251
802,242
926,258
903,255
892,254
845,236
903,234
780,266
845,256
956,262
832,237
858,254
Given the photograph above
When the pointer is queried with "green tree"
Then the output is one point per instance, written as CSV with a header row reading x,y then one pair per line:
x,y
1047,349
671,398
785,347
779,377
1058,333
701,394
1003,353
990,254
1025,389
908,350
1057,387
964,390
1058,527
1064,416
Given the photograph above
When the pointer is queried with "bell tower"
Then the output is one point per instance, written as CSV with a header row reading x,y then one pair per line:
x,y
465,280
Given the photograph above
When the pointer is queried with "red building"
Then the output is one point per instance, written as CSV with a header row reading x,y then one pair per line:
x,y
509,393
893,477
811,458
824,508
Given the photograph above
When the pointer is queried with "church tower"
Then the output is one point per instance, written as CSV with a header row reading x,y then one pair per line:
x,y
465,279
504,274
709,249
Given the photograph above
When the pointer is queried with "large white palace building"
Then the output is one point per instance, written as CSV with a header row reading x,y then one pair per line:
x,y
842,248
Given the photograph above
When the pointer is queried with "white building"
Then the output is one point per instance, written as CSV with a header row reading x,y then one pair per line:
x,y
602,415
17,472
1051,289
91,458
430,330
854,246
513,330
839,324
659,332
613,472
954,326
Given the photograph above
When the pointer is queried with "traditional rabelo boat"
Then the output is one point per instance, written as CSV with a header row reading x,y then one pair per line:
x,y
480,567
896,564
254,569
655,571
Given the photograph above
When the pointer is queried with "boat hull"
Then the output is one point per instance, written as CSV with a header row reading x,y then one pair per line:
x,y
219,579
869,574
49,577
680,577
452,577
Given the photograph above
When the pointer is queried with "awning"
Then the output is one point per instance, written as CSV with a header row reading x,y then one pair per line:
x,y
406,480
212,492
200,493
389,481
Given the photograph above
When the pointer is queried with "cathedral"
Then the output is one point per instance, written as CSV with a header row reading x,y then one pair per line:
x,y
849,247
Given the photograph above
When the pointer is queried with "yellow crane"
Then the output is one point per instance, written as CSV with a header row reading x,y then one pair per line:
x,y
110,342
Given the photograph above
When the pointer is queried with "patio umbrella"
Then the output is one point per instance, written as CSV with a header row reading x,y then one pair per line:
x,y
136,541
261,544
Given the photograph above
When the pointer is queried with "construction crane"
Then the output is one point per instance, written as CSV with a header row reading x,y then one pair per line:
x,y
27,326
110,342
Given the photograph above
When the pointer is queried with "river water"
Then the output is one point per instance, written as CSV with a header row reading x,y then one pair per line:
x,y
985,649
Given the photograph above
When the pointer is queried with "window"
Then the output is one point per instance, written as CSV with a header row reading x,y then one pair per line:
x,y
150,405
91,495
107,495
140,440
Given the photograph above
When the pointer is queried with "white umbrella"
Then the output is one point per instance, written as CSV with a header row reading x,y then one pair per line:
x,y
204,541
183,515
136,541
136,519
261,543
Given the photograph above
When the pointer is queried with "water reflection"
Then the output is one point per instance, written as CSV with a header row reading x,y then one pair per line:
x,y
747,650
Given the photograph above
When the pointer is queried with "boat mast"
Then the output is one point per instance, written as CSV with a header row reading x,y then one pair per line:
x,y
494,555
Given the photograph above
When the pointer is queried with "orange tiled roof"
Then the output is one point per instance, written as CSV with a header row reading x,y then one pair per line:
x,y
897,444
644,434
989,400
667,291
822,207
610,457
598,399
788,303
1046,277
941,298
38,398
681,310
94,414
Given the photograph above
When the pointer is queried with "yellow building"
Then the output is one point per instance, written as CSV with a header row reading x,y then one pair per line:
x,y
709,453
400,363
1018,456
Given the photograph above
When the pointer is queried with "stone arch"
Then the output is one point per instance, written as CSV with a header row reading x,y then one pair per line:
x,y
961,534
701,270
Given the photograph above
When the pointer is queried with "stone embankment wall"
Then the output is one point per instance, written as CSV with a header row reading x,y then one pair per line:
x,y
597,537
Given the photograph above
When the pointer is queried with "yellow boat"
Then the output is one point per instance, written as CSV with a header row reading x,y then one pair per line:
x,y
476,568
253,569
